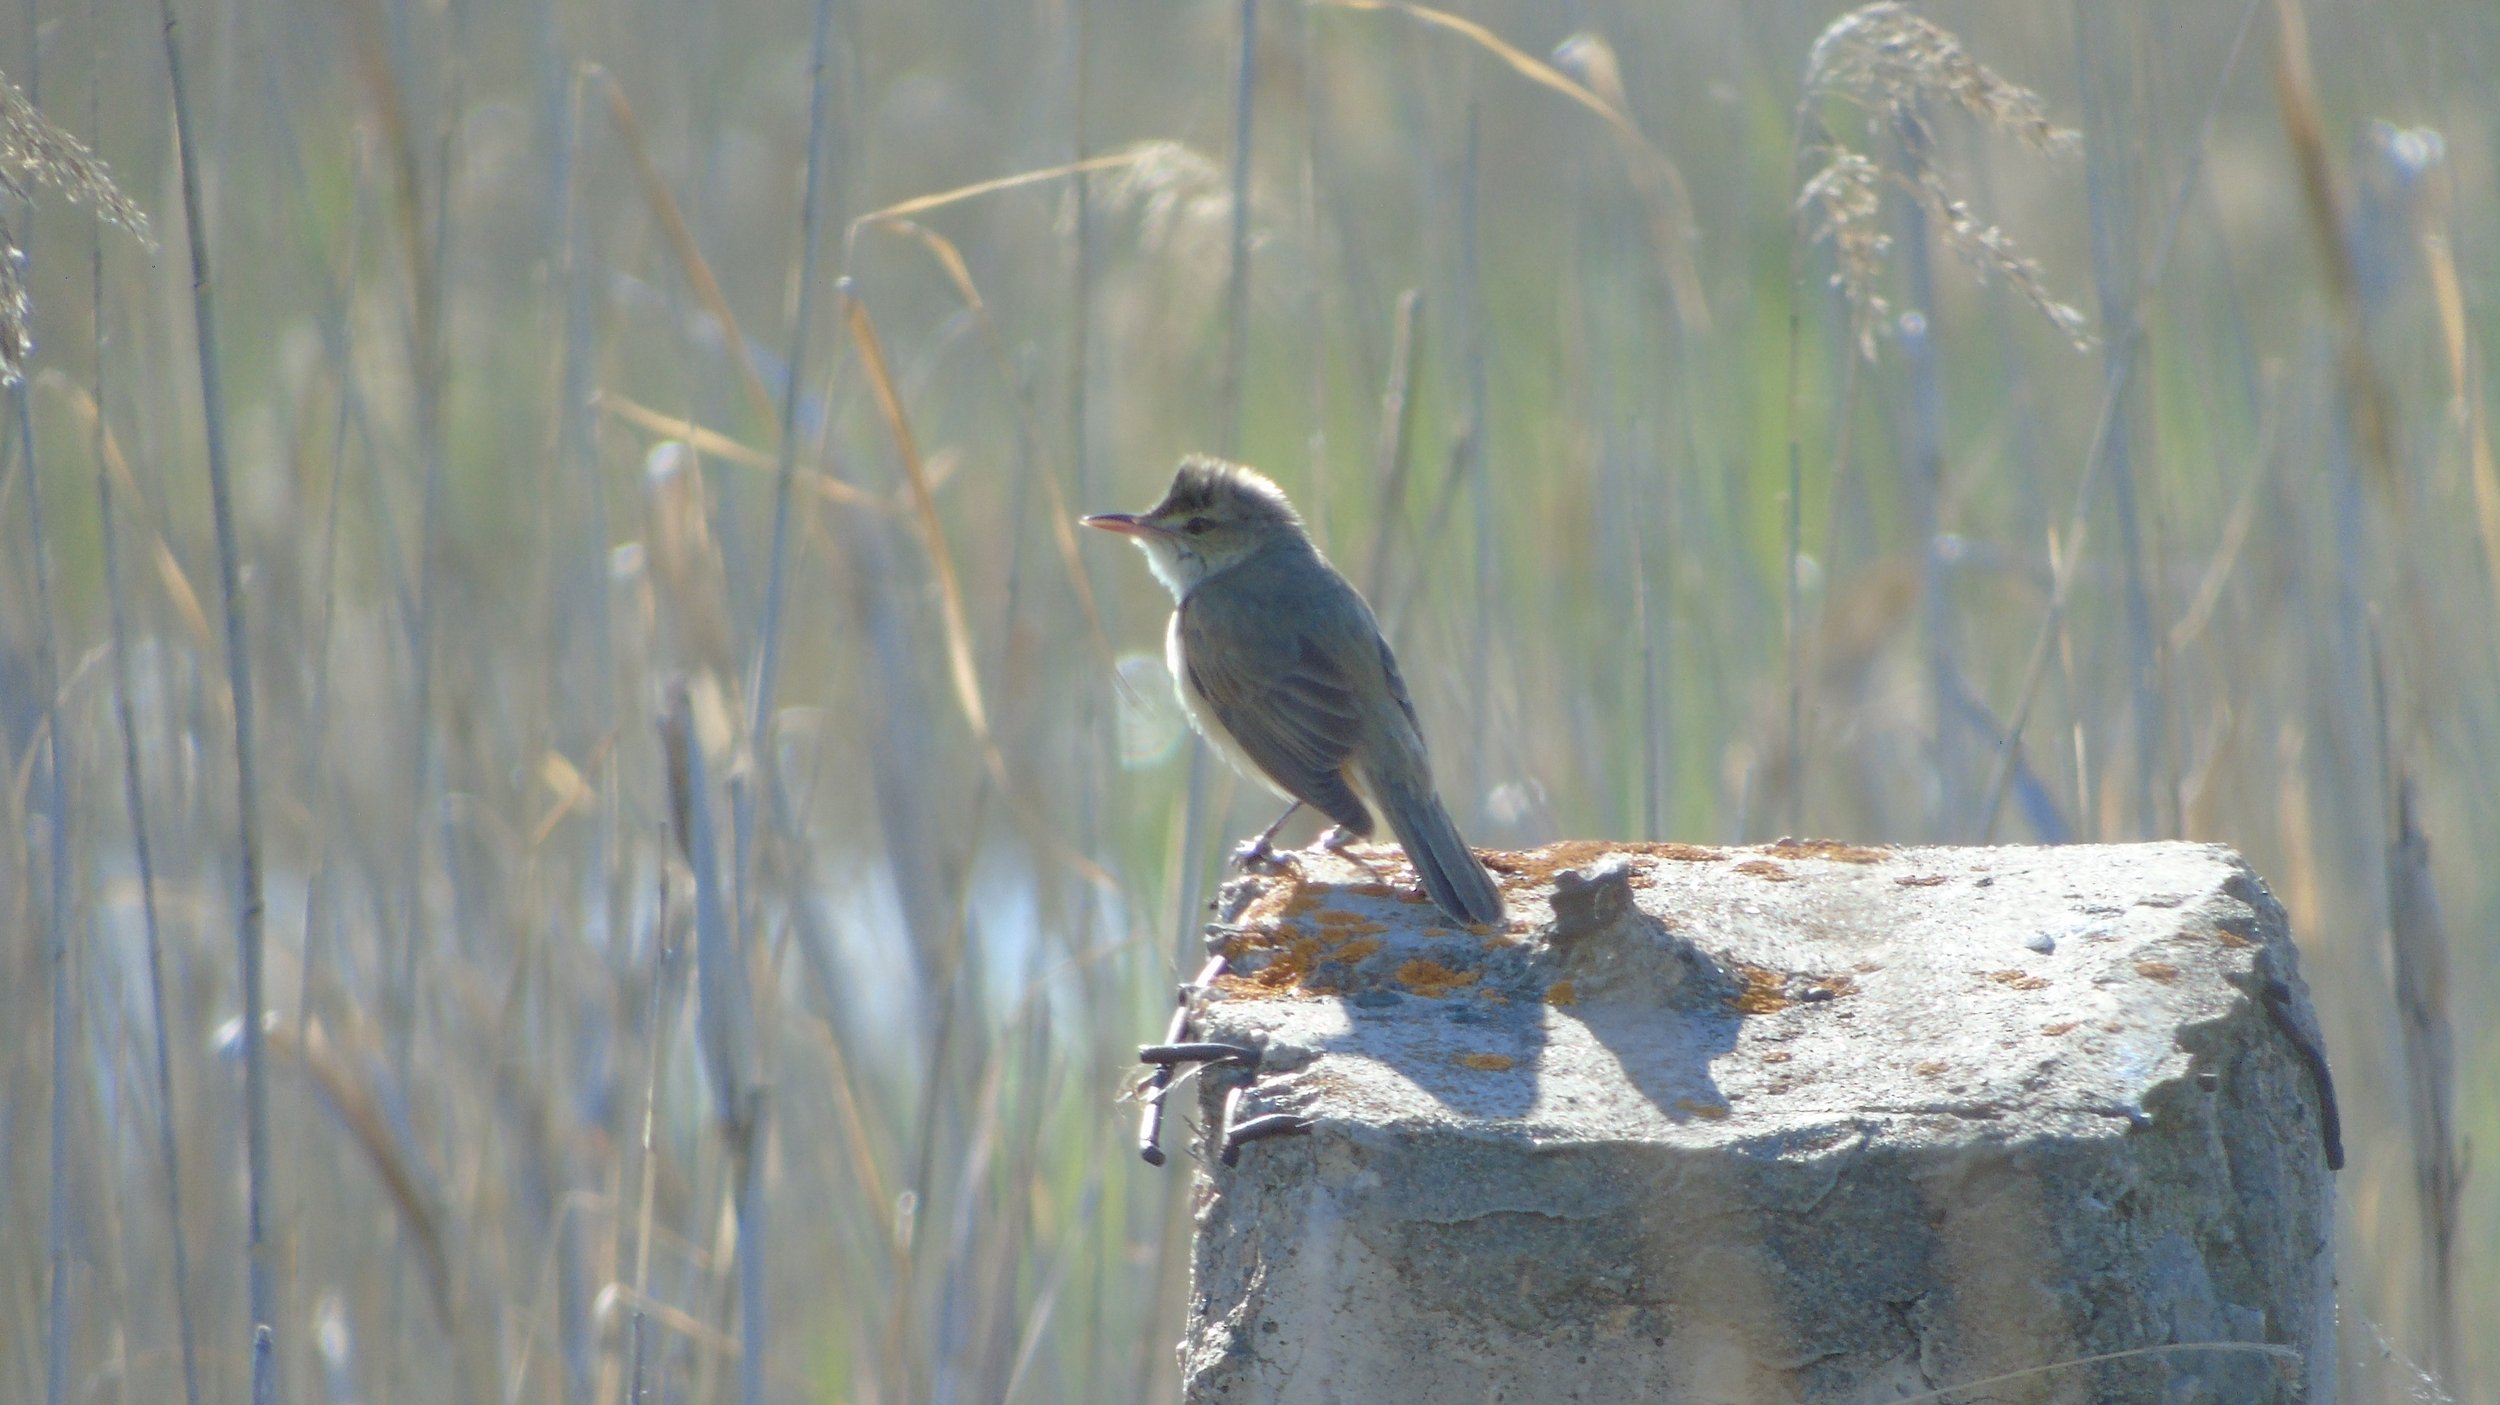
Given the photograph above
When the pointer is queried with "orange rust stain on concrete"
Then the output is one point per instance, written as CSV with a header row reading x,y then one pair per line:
x,y
1832,849
1355,950
1431,979
1763,993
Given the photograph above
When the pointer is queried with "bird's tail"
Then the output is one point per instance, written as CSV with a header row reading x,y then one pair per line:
x,y
1452,876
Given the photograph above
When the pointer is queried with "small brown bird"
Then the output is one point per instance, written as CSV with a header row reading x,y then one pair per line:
x,y
1280,664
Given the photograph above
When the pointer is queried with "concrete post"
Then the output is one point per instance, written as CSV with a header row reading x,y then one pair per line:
x,y
1803,1122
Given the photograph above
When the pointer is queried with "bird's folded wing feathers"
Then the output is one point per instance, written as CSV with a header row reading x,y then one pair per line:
x,y
1290,707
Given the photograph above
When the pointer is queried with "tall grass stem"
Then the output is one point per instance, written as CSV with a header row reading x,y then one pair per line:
x,y
249,911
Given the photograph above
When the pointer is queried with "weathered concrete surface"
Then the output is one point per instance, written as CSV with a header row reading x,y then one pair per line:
x,y
1805,1122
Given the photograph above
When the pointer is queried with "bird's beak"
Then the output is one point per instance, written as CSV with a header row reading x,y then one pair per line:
x,y
1126,524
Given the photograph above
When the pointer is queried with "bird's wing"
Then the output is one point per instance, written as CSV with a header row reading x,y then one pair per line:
x,y
1397,687
1286,703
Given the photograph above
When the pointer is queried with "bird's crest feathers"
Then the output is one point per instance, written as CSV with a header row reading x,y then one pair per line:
x,y
1204,481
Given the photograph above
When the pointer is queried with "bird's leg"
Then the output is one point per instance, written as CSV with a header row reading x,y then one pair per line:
x,y
1339,840
1257,853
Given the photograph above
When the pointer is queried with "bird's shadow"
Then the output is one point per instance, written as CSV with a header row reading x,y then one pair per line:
x,y
1601,1004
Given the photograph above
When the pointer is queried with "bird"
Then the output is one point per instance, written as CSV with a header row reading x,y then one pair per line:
x,y
1281,666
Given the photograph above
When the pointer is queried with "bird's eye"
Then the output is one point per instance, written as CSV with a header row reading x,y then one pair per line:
x,y
1195,525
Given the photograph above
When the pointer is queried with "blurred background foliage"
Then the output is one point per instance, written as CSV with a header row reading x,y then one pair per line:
x,y
1629,354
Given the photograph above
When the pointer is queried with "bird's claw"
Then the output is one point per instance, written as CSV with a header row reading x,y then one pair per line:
x,y
1340,841
1257,856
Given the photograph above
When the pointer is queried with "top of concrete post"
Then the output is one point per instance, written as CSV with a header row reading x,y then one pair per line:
x,y
1768,1023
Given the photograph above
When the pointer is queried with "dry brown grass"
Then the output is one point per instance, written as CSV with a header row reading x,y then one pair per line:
x,y
34,152
1895,67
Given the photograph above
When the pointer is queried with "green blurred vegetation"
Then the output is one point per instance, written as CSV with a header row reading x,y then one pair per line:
x,y
434,255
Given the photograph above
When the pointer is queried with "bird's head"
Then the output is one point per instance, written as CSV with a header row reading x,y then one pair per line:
x,y
1215,516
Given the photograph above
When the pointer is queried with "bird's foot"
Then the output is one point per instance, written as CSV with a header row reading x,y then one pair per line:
x,y
1341,841
1257,856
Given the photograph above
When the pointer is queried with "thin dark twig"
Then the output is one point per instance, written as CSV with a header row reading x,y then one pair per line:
x,y
428,264
665,951
785,468
1478,353
2417,944
724,1013
636,1356
134,793
2111,217
1195,1051
65,1079
1391,455
1081,265
754,1315
239,678
59,1322
1793,527
1653,730
1842,418
754,1318
1151,1095
1924,478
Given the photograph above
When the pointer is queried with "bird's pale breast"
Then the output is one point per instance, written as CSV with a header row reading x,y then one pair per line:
x,y
1202,713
